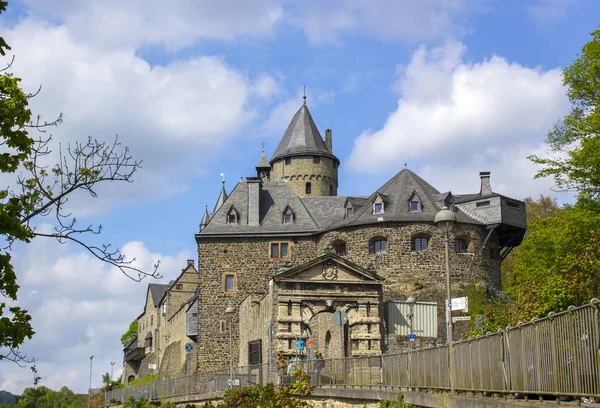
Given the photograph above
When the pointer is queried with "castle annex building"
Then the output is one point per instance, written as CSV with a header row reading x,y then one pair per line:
x,y
286,252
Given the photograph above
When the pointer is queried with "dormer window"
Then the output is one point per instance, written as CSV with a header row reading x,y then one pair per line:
x,y
349,212
414,203
449,202
232,216
378,206
288,216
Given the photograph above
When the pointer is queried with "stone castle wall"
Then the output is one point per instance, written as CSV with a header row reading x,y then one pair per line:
x,y
420,274
323,176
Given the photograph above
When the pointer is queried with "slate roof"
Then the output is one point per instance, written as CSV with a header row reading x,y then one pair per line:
x,y
314,214
302,138
263,162
157,290
222,198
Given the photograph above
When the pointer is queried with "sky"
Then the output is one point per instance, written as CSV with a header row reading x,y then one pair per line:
x,y
194,87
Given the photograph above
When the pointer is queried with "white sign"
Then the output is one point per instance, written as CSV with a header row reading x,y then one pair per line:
x,y
461,303
460,318
152,366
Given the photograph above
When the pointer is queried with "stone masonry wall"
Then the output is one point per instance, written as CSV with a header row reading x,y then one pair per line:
x,y
302,170
407,272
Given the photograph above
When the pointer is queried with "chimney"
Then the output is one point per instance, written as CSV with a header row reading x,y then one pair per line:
x,y
254,187
190,262
486,187
328,140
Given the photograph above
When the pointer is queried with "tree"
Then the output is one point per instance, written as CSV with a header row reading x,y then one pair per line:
x,y
130,334
575,140
43,190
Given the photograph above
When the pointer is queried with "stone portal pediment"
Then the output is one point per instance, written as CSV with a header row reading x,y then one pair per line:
x,y
329,268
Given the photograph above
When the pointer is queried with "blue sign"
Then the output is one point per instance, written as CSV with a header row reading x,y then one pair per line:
x,y
189,347
412,336
300,341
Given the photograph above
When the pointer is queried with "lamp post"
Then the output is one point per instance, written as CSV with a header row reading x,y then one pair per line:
x,y
112,363
411,303
445,220
90,389
230,312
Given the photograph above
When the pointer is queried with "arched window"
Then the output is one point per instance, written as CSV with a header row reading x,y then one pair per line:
x,y
420,243
130,378
308,188
288,216
378,245
461,245
232,216
340,247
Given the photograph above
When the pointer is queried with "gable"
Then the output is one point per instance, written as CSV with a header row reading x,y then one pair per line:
x,y
329,268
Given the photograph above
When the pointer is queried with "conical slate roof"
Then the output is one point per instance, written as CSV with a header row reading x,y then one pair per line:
x,y
263,162
222,198
205,219
302,138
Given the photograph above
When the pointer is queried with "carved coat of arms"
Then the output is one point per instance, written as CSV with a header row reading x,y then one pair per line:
x,y
330,271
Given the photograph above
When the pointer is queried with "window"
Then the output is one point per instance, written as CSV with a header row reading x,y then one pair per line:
x,y
378,246
316,159
194,314
308,188
289,311
254,352
415,206
420,243
148,342
179,286
461,245
151,320
164,308
340,248
288,160
222,325
513,204
231,218
280,249
349,212
288,217
448,203
483,204
378,208
229,283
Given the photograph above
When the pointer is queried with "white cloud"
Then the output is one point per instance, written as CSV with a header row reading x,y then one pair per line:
x,y
81,308
452,114
326,21
135,23
549,11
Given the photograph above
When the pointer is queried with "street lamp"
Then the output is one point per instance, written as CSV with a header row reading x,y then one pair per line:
x,y
411,303
112,363
445,220
90,389
230,311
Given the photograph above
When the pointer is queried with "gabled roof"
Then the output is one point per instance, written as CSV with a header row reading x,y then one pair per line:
x,y
363,273
302,138
157,290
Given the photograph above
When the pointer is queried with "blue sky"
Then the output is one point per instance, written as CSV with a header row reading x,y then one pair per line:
x,y
194,87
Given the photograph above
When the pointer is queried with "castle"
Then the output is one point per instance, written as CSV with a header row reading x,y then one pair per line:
x,y
285,253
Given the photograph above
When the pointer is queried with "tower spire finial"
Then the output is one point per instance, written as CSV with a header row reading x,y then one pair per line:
x,y
304,97
223,179
263,147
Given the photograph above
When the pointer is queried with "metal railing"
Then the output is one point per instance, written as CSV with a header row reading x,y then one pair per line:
x,y
557,355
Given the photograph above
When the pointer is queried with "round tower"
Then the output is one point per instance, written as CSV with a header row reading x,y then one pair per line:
x,y
304,159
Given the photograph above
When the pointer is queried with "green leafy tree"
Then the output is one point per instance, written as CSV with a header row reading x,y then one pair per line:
x,y
130,334
575,140
42,190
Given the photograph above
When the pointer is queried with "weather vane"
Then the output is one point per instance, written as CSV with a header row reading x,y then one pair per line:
x,y
304,97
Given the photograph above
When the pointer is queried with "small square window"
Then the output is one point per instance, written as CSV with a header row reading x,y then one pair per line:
x,y
179,286
316,159
378,208
414,206
280,250
231,219
288,160
229,283
461,245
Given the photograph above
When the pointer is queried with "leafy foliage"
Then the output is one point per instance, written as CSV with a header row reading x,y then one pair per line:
x,y
41,189
575,140
257,396
130,334
42,397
